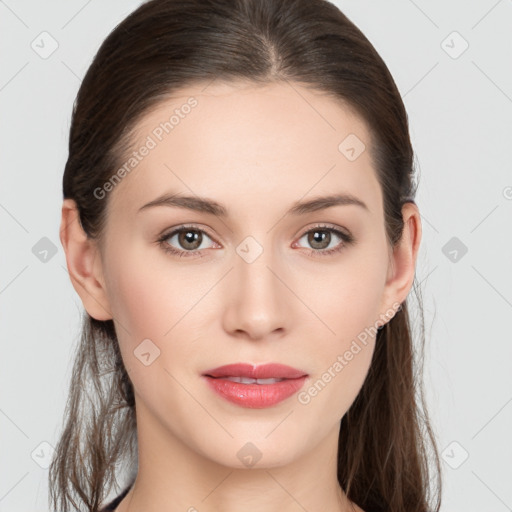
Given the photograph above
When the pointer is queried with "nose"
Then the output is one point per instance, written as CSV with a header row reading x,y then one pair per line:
x,y
258,301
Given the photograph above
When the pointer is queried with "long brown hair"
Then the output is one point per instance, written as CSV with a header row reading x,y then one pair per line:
x,y
384,460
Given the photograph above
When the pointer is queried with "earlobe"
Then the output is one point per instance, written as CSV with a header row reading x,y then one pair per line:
x,y
402,264
84,263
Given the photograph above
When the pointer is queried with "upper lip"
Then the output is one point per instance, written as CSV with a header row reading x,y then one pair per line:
x,y
263,371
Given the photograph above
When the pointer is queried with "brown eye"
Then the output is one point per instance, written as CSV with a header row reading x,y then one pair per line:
x,y
322,242
189,241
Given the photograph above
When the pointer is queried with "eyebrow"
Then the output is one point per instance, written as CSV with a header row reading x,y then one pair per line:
x,y
206,205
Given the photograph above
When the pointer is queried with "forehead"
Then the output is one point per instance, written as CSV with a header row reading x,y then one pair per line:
x,y
237,140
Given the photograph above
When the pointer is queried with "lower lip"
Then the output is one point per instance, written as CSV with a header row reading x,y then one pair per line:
x,y
255,396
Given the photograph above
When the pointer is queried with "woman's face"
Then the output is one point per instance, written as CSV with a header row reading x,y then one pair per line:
x,y
249,285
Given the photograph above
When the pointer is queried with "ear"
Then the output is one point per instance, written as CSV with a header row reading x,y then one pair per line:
x,y
84,263
402,261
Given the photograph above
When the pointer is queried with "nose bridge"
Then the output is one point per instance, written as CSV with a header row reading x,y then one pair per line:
x,y
255,267
259,301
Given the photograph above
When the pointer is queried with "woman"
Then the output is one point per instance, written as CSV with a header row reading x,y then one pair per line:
x,y
239,222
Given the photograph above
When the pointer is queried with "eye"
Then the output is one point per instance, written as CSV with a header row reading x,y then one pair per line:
x,y
190,238
190,241
320,238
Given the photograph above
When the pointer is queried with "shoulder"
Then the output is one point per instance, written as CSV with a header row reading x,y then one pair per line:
x,y
115,502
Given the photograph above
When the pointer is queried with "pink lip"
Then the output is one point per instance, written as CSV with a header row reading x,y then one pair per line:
x,y
255,396
264,371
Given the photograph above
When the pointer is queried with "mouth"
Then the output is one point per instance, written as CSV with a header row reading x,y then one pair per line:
x,y
247,380
245,373
255,387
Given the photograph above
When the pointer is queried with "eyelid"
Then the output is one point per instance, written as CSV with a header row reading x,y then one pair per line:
x,y
326,226
181,227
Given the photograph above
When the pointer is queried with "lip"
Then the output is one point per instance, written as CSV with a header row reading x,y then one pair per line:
x,y
263,371
255,396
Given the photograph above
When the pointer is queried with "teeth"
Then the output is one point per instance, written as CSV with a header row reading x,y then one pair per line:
x,y
247,380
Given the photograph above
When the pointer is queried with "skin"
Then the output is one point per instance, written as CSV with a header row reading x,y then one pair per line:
x,y
255,150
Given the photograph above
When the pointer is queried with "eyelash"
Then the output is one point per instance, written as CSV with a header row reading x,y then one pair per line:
x,y
345,237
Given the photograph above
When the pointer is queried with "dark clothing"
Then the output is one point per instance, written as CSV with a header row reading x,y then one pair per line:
x,y
115,502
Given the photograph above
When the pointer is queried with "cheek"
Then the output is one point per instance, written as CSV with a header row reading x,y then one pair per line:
x,y
342,358
157,311
149,295
346,301
149,313
336,387
137,302
346,298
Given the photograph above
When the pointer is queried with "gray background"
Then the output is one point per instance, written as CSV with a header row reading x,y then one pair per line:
x,y
460,111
